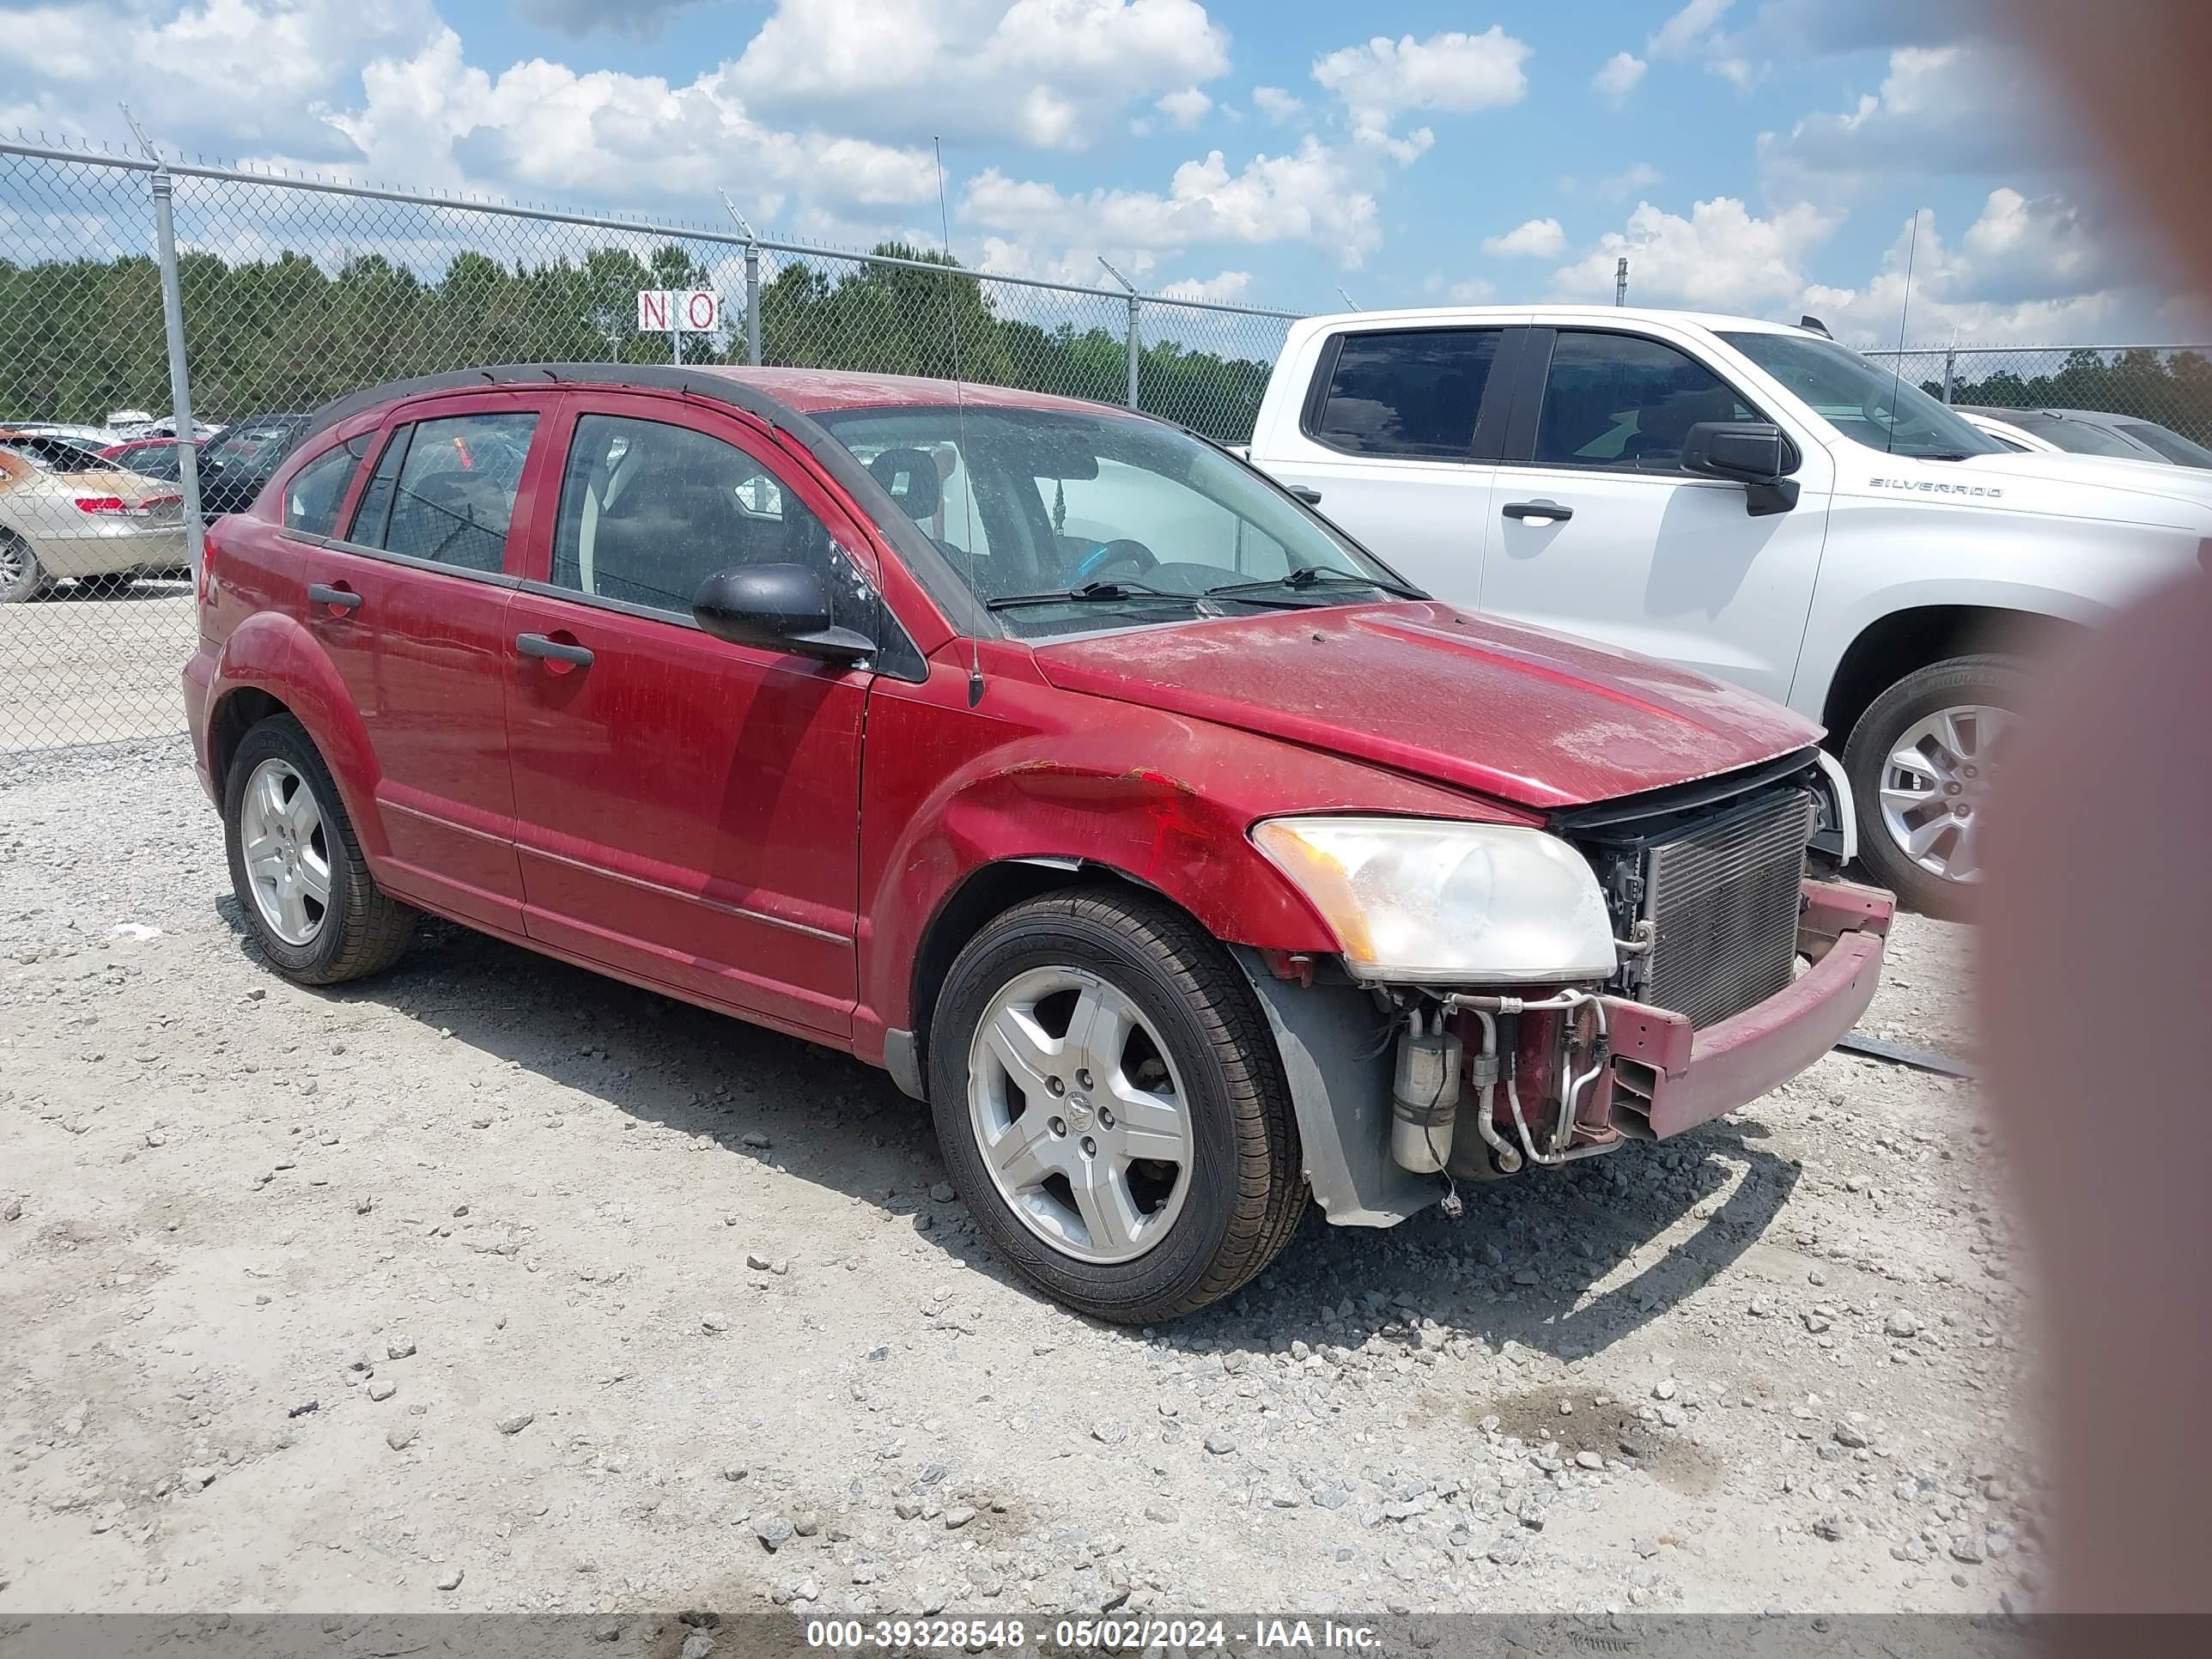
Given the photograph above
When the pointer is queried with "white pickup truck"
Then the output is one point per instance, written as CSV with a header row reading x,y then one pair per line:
x,y
1744,498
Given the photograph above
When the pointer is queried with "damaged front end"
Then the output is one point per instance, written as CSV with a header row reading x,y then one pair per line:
x,y
1727,969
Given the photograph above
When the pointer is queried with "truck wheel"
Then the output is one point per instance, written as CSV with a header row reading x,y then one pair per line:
x,y
301,883
23,578
1111,1105
1923,760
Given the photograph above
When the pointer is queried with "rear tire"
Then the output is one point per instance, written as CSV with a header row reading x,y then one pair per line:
x,y
1188,1052
273,836
22,578
1923,741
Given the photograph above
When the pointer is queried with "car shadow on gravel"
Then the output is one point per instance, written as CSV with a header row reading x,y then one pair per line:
x,y
1567,1263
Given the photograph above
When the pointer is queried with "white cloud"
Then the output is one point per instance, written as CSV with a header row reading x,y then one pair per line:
x,y
1186,108
1687,29
1473,291
1636,176
1737,72
1276,104
2029,269
1952,109
1538,239
1227,289
1722,258
1619,75
1452,72
1047,72
1314,196
542,127
639,19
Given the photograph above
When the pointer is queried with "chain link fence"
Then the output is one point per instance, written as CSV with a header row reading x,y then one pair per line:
x,y
291,292
2169,385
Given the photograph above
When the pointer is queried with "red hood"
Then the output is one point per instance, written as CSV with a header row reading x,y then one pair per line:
x,y
1516,712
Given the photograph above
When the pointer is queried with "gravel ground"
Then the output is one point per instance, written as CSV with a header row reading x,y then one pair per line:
x,y
491,1285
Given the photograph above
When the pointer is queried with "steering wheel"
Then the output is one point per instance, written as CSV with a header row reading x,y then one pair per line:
x,y
1105,556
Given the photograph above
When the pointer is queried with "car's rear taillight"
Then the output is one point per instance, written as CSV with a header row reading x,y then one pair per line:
x,y
102,504
115,505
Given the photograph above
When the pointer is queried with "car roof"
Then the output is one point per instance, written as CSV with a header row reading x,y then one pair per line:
x,y
1438,316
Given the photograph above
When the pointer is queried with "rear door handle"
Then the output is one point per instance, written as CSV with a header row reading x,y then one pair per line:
x,y
537,645
1539,512
1305,493
323,593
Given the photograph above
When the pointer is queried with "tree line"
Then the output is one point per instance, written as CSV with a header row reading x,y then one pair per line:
x,y
81,337
2173,389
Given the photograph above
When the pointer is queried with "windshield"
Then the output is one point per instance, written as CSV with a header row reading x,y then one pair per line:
x,y
2074,437
1065,522
1865,402
2169,443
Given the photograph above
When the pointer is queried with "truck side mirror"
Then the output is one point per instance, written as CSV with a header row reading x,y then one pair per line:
x,y
1753,453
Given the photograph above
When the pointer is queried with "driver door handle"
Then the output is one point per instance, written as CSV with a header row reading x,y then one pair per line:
x,y
343,598
1539,512
537,645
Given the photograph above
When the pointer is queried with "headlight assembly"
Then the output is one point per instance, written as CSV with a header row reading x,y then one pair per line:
x,y
1429,901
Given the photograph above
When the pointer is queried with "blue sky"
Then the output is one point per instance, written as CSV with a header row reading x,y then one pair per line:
x,y
1760,155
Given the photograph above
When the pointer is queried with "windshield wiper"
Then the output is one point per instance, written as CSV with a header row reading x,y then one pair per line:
x,y
1314,575
1091,593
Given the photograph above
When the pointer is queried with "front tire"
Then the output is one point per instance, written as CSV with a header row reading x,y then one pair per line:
x,y
1923,760
1111,1105
296,865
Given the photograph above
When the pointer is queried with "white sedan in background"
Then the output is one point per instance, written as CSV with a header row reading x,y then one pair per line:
x,y
82,523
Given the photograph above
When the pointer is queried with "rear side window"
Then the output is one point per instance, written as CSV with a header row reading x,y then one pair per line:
x,y
444,491
1413,395
318,489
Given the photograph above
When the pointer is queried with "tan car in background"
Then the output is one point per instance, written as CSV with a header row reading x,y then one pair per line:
x,y
58,521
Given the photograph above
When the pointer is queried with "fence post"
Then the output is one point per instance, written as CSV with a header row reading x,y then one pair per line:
x,y
1136,347
180,384
752,302
1950,368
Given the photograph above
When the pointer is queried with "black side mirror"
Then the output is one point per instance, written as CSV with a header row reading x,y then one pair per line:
x,y
1753,453
777,607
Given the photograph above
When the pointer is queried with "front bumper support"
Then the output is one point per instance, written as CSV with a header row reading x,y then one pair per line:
x,y
1666,1076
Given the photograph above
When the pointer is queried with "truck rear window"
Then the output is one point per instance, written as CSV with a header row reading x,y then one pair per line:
x,y
1413,394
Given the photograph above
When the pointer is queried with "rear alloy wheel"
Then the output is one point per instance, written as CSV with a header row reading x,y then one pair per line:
x,y
297,869
1924,762
1111,1105
23,578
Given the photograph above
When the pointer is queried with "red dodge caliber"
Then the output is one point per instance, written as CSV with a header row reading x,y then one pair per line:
x,y
1184,857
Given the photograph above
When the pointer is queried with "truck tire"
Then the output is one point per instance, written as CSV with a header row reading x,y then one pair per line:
x,y
296,866
1923,760
22,578
1112,1106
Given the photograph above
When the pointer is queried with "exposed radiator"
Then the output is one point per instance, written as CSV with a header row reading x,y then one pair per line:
x,y
1722,896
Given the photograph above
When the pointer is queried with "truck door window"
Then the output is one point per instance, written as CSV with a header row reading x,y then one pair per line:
x,y
1412,394
1626,403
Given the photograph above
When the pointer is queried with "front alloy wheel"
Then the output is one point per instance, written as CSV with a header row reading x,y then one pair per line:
x,y
1923,762
1079,1115
1111,1105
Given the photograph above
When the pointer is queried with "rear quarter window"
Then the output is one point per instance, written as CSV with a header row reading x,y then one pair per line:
x,y
318,489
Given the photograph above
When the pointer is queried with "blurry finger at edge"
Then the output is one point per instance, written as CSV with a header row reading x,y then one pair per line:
x,y
2097,995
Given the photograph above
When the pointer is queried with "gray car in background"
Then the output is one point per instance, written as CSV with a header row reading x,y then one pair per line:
x,y
2090,432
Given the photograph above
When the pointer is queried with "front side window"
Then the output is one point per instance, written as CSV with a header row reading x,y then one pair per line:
x,y
444,491
1622,402
1412,394
1866,402
318,489
2078,437
1089,521
649,511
